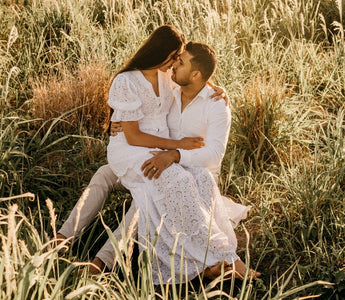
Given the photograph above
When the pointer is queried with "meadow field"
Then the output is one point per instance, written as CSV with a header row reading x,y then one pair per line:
x,y
282,63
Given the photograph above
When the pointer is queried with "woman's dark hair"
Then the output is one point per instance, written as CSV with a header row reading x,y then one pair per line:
x,y
156,49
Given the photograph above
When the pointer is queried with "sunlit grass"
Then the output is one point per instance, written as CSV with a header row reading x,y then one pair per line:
x,y
33,267
282,65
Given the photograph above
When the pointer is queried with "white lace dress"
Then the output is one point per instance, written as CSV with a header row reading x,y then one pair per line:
x,y
183,205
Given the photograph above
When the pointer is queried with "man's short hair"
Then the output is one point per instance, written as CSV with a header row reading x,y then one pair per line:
x,y
204,59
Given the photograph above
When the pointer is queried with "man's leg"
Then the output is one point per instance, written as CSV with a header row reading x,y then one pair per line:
x,y
91,202
127,229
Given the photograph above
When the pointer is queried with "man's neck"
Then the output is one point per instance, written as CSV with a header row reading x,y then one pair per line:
x,y
188,93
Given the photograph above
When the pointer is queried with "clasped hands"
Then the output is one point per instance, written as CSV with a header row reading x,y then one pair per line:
x,y
161,160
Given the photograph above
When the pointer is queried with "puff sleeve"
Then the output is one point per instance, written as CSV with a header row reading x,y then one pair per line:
x,y
124,99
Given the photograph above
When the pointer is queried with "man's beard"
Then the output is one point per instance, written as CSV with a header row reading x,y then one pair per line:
x,y
180,82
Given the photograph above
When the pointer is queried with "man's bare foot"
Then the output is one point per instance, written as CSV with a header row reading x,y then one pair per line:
x,y
96,267
238,268
60,238
216,270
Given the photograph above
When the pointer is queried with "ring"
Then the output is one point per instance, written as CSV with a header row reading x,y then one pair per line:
x,y
154,168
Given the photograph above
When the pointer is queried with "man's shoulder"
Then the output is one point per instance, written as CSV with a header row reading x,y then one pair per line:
x,y
211,102
215,108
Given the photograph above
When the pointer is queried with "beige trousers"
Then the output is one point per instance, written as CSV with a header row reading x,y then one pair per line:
x,y
90,203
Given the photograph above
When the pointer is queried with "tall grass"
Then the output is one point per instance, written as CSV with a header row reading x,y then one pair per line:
x,y
83,94
32,267
282,65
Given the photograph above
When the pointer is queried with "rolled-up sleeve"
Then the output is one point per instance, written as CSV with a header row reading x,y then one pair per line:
x,y
218,127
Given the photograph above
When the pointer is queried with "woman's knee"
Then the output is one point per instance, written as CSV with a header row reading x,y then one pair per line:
x,y
175,175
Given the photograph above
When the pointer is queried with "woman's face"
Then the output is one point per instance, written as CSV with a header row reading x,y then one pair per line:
x,y
173,56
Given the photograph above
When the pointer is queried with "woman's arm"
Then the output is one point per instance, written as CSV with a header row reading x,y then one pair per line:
x,y
219,93
136,137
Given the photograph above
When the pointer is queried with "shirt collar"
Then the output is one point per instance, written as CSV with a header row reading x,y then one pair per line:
x,y
204,93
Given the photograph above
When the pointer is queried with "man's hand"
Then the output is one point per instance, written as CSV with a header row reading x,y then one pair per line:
x,y
161,160
115,128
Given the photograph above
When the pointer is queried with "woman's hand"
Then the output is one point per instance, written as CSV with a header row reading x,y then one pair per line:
x,y
219,93
189,143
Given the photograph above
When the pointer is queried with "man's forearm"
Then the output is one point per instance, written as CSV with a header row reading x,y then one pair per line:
x,y
218,127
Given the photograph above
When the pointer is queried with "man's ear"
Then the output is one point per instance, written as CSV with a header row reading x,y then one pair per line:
x,y
196,75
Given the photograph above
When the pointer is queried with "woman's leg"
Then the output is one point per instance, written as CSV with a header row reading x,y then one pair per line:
x,y
222,215
174,198
187,222
127,229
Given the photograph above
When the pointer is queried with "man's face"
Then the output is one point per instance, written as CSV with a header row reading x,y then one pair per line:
x,y
167,64
182,69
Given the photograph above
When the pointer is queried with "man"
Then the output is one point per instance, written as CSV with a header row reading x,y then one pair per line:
x,y
193,114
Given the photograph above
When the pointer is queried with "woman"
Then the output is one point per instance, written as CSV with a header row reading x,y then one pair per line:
x,y
141,97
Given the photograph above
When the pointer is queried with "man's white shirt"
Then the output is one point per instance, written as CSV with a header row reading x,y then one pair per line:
x,y
202,117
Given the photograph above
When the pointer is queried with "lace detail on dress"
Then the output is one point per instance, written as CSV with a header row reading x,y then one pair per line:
x,y
187,221
206,185
124,100
126,115
132,97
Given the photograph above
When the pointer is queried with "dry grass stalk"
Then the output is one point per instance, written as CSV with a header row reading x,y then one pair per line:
x,y
29,195
259,113
86,93
80,206
52,216
133,227
9,247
